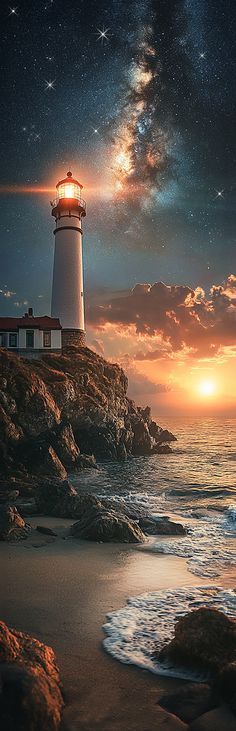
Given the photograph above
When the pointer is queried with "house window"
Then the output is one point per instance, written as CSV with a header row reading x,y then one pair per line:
x,y
47,339
29,338
12,340
3,340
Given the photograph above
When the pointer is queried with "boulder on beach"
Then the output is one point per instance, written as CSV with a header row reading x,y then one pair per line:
x,y
226,684
189,701
100,524
55,497
45,530
219,719
60,499
205,639
12,525
161,527
30,690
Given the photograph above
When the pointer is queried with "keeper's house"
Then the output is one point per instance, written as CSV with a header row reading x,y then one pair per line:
x,y
30,336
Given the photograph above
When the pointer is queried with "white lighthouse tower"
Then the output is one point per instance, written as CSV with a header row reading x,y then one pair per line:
x,y
67,290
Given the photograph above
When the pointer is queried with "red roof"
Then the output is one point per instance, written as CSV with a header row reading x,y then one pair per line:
x,y
38,323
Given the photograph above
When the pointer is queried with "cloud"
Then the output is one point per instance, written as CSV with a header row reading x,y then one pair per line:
x,y
184,319
156,354
142,385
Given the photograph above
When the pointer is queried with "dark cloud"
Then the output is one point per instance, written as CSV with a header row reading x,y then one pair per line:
x,y
182,316
156,354
139,384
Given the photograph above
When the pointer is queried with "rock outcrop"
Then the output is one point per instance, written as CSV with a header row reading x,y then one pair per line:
x,y
161,527
12,525
59,498
56,412
107,526
30,691
189,701
205,639
226,684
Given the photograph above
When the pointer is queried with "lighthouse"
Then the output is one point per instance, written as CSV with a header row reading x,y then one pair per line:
x,y
67,290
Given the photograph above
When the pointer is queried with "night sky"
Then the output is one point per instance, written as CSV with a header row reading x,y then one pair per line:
x,y
138,99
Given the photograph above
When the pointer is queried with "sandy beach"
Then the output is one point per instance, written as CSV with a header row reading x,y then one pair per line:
x,y
60,591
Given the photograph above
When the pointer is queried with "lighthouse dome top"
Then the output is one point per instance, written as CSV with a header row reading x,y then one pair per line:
x,y
68,197
72,184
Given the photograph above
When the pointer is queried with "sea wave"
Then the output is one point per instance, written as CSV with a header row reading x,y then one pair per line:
x,y
231,514
147,622
197,487
209,546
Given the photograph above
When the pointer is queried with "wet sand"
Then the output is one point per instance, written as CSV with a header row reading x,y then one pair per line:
x,y
60,592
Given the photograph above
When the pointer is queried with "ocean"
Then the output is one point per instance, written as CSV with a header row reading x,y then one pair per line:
x,y
195,485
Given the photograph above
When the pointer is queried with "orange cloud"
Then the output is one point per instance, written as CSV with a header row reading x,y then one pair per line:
x,y
182,318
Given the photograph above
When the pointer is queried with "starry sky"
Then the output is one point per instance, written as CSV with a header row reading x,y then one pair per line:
x,y
138,99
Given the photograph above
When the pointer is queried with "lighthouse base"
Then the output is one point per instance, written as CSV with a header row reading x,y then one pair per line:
x,y
73,337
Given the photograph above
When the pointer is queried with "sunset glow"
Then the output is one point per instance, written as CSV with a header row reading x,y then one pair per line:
x,y
207,388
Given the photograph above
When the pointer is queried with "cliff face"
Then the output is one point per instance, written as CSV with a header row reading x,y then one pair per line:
x,y
54,409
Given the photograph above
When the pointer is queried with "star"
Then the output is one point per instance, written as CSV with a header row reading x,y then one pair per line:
x,y
219,194
202,55
102,34
13,11
95,130
50,84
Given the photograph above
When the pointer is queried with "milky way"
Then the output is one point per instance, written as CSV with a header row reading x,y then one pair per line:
x,y
139,150
145,116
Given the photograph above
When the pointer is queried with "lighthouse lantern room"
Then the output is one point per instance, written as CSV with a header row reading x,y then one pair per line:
x,y
67,291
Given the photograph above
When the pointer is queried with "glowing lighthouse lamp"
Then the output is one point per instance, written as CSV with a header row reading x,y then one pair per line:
x,y
67,291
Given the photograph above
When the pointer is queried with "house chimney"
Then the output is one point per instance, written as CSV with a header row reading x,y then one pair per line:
x,y
30,312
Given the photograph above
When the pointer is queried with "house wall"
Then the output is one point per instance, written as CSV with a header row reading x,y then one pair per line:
x,y
38,340
55,339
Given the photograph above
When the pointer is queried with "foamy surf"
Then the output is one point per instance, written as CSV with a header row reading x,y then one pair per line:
x,y
147,623
209,546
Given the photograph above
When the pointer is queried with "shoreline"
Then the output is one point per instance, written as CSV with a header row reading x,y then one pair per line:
x,y
61,592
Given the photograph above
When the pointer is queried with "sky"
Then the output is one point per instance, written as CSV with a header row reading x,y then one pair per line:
x,y
138,99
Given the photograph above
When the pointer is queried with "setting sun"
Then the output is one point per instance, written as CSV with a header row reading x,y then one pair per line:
x,y
207,388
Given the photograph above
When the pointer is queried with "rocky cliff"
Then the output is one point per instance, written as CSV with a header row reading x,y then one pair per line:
x,y
56,411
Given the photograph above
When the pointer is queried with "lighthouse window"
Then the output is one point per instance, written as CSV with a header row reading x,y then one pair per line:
x,y
69,190
29,338
47,339
3,340
12,340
